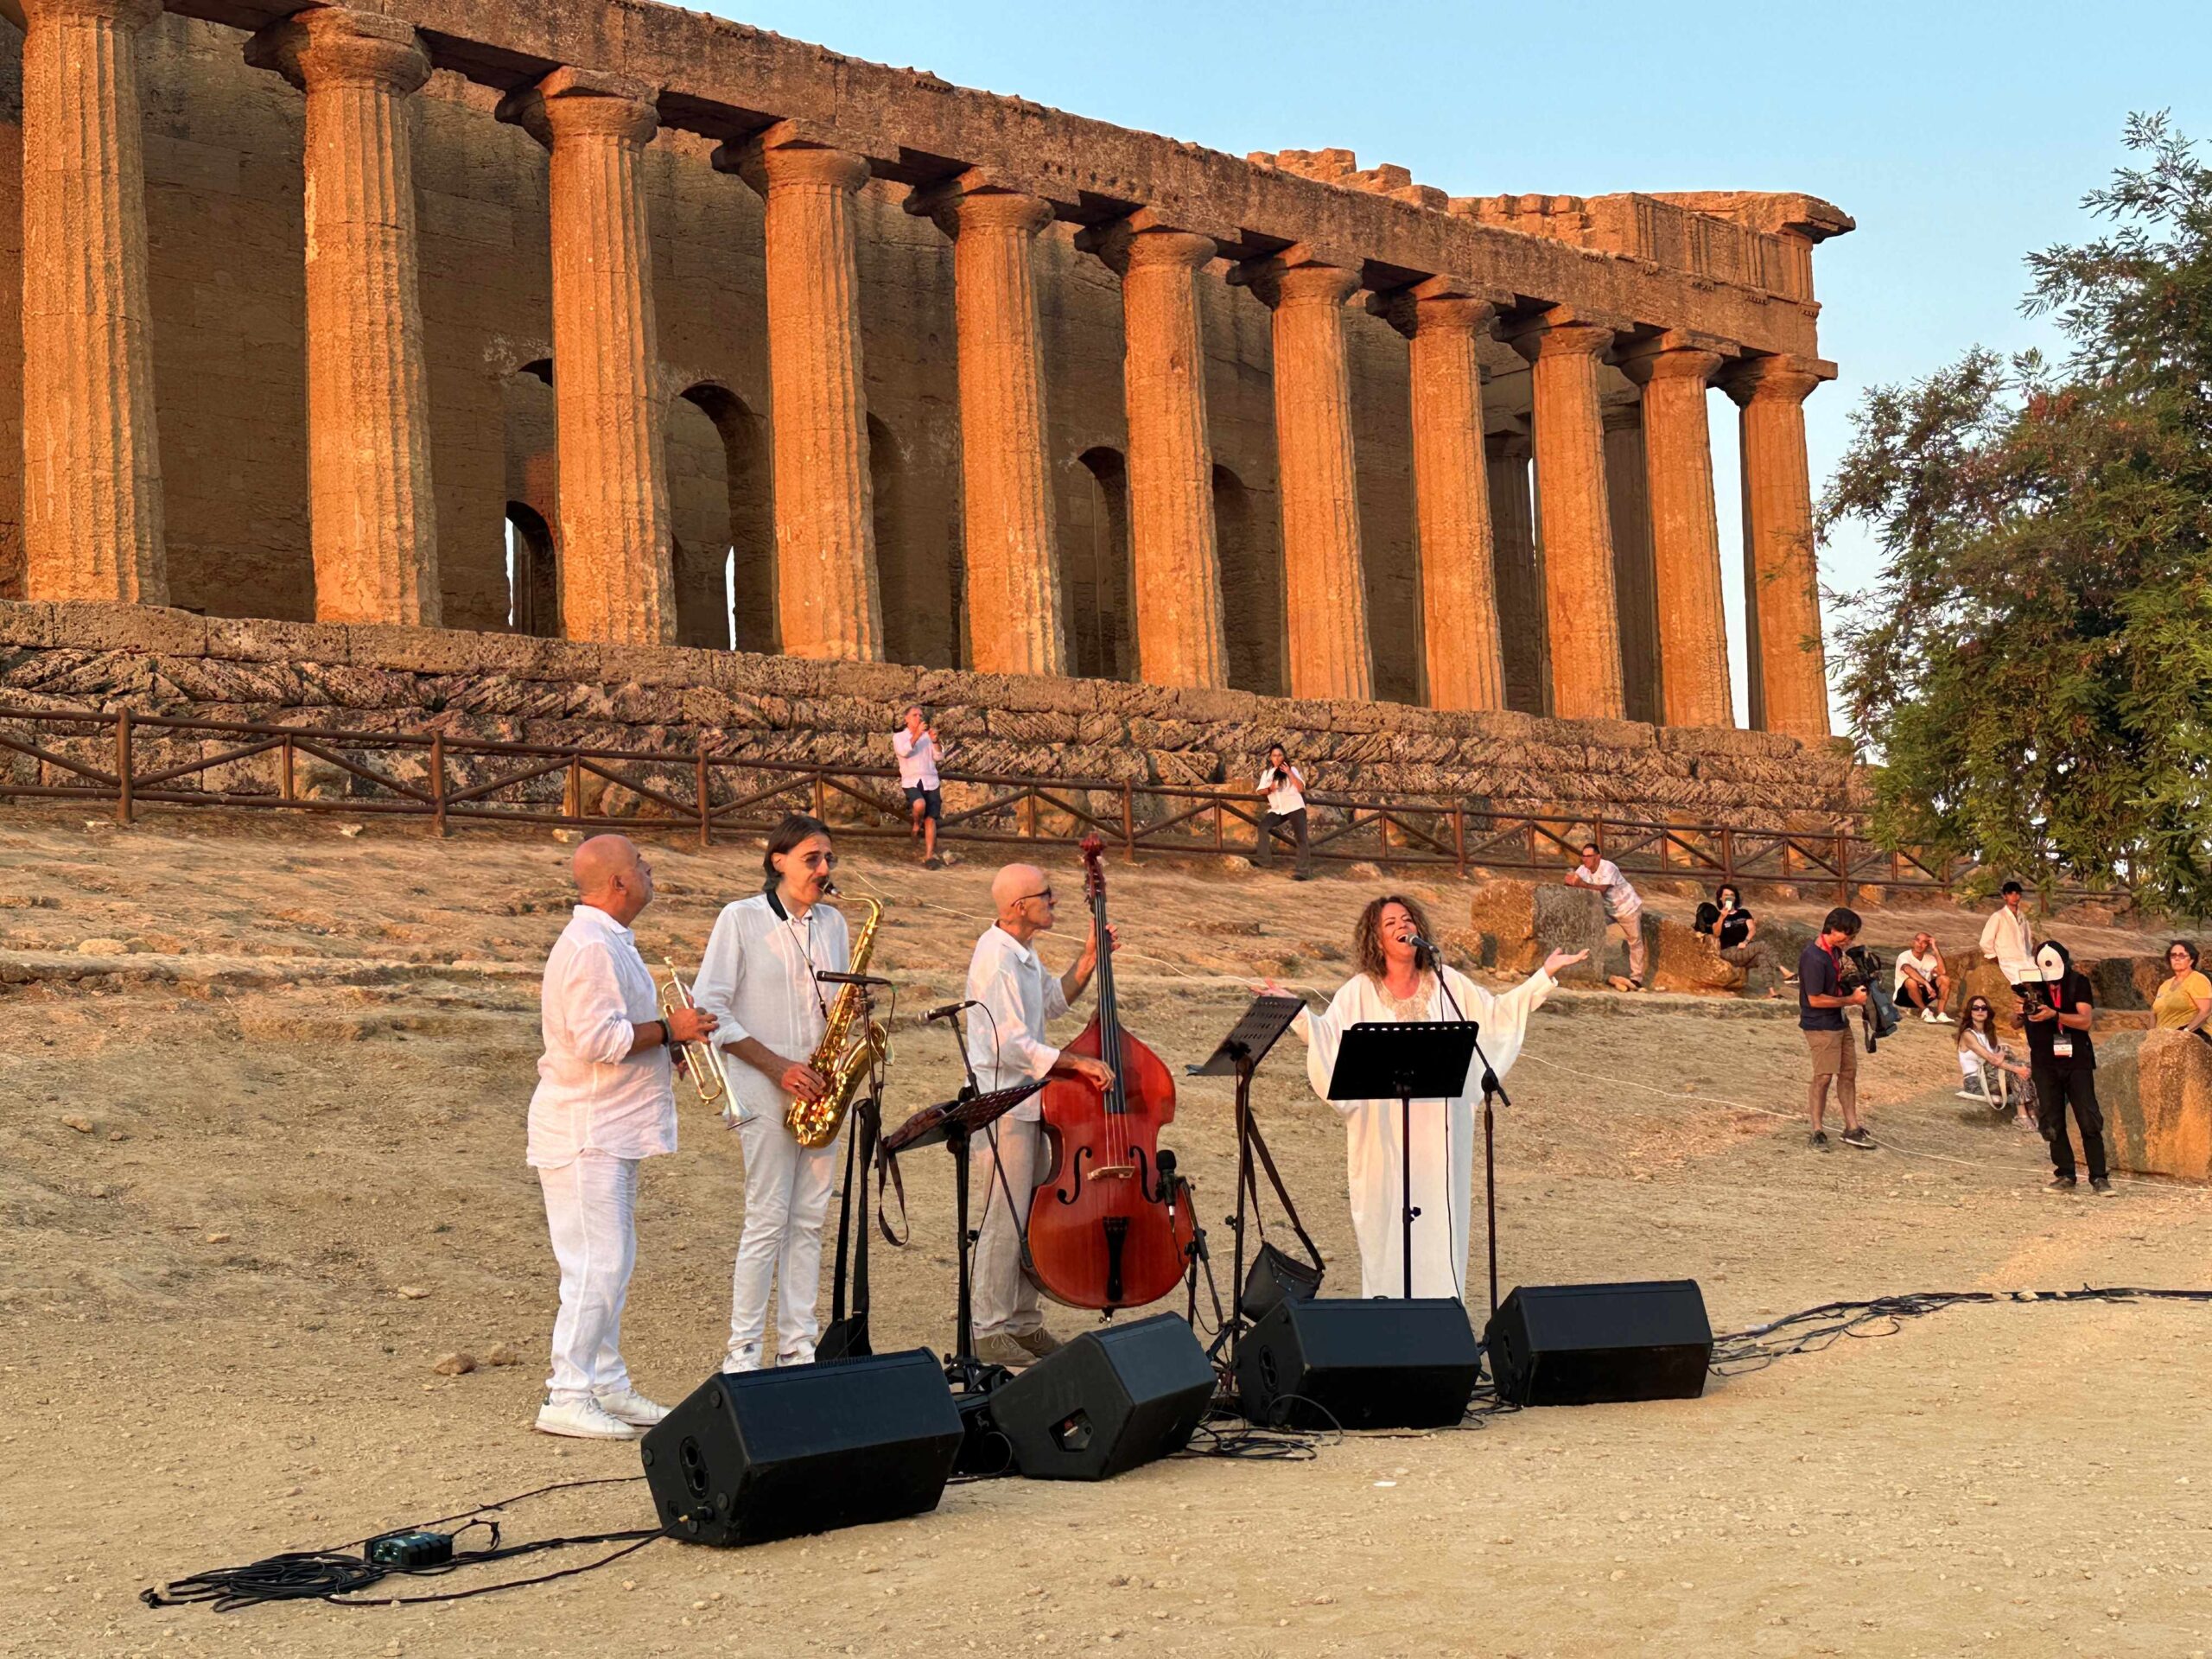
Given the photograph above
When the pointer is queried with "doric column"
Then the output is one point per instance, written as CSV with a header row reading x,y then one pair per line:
x,y
1578,534
825,530
1674,374
1013,572
1782,581
1636,588
1173,543
92,467
616,583
1519,567
1325,591
1459,589
374,517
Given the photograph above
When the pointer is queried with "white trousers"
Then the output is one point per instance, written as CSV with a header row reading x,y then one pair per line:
x,y
1005,1299
786,1196
591,1204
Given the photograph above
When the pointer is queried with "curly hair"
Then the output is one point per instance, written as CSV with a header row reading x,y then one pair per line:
x,y
1367,935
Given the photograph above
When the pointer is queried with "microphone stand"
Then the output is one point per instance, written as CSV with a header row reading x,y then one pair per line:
x,y
963,1363
1492,1089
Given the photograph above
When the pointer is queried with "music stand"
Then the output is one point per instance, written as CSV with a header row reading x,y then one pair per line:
x,y
1241,1052
953,1122
1424,1058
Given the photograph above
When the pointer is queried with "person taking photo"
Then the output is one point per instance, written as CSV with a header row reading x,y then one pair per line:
x,y
1821,1001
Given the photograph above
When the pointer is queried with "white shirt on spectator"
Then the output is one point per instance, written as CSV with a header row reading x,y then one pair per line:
x,y
1286,797
2009,940
1620,898
593,1094
1925,966
917,759
757,979
1006,1036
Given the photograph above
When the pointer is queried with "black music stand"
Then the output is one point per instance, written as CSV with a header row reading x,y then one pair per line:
x,y
953,1122
1428,1059
1240,1054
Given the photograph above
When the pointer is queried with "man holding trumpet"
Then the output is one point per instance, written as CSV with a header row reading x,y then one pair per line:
x,y
769,1012
603,1105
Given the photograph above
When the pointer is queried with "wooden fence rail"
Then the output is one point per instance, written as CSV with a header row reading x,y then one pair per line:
x,y
132,761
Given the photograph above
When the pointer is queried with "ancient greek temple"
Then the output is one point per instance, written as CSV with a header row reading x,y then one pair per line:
x,y
615,321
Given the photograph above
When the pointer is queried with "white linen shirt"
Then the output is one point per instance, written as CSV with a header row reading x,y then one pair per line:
x,y
2009,939
757,979
1006,1036
1290,798
593,1094
1620,898
1926,965
917,759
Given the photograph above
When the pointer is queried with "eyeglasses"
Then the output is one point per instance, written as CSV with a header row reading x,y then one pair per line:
x,y
1977,1007
1045,894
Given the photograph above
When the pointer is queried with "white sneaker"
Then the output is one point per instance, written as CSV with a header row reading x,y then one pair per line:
x,y
1975,1095
1945,1019
628,1406
740,1359
582,1419
1928,1016
796,1356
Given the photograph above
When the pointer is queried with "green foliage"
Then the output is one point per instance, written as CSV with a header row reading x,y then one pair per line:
x,y
2035,664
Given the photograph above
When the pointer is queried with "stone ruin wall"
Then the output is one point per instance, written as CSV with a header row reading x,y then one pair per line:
x,y
508,688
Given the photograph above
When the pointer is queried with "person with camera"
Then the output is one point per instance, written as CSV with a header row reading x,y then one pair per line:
x,y
1923,980
1821,1000
2056,1011
1284,787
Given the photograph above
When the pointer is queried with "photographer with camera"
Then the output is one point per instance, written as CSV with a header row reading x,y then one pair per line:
x,y
1284,787
1822,999
2056,1010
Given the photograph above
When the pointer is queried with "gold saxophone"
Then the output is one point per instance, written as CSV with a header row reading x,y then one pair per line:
x,y
848,1052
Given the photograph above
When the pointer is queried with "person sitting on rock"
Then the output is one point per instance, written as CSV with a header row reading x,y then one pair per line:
x,y
2185,1000
1923,980
1993,1073
1733,931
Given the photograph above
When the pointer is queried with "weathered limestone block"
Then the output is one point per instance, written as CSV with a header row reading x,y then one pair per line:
x,y
437,650
1522,922
91,625
2158,1104
23,624
2126,982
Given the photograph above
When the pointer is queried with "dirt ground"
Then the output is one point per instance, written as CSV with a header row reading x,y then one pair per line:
x,y
259,1174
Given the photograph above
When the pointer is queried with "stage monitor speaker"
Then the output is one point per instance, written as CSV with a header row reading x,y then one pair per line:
x,y
1369,1364
1584,1344
769,1454
1107,1401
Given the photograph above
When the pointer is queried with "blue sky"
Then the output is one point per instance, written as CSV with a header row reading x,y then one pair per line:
x,y
1959,135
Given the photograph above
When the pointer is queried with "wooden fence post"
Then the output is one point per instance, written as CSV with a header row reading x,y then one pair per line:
x,y
1842,868
706,811
123,804
1459,839
572,788
286,789
438,783
1129,824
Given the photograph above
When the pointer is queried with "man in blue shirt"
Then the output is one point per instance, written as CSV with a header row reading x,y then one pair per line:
x,y
1820,1002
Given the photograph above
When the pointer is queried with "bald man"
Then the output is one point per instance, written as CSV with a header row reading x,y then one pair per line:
x,y
1005,1045
604,1104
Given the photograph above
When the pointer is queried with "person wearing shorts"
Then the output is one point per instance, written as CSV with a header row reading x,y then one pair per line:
x,y
918,753
1820,1002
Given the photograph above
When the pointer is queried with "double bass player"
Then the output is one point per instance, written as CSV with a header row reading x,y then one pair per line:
x,y
1015,997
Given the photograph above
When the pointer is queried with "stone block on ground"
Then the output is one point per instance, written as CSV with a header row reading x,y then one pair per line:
x,y
1680,959
2128,982
1519,923
2158,1104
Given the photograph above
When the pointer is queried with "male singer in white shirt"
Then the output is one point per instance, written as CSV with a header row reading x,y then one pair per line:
x,y
757,979
604,1104
1006,1047
1284,787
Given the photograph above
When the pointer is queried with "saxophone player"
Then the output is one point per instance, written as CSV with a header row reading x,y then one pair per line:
x,y
757,981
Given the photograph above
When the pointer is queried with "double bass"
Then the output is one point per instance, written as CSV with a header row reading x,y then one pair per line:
x,y
1108,1228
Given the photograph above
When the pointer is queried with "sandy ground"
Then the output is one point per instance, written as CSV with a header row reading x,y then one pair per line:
x,y
303,1089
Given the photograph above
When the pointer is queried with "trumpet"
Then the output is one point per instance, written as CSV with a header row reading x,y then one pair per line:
x,y
702,1064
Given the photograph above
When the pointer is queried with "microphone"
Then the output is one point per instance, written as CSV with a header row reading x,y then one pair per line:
x,y
1425,946
948,1011
1166,1161
828,978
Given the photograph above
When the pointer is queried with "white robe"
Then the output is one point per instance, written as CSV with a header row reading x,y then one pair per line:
x,y
1443,1135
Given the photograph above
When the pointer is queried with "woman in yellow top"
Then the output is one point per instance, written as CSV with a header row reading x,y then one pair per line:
x,y
2186,999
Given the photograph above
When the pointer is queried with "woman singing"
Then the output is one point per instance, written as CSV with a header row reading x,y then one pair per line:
x,y
1396,982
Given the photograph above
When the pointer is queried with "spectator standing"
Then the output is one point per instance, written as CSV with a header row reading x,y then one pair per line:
x,y
1820,1002
2185,1000
1284,787
919,754
2008,938
1993,1072
2057,1013
1923,980
1623,907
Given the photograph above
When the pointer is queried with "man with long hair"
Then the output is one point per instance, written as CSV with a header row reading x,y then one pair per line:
x,y
757,979
1399,979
